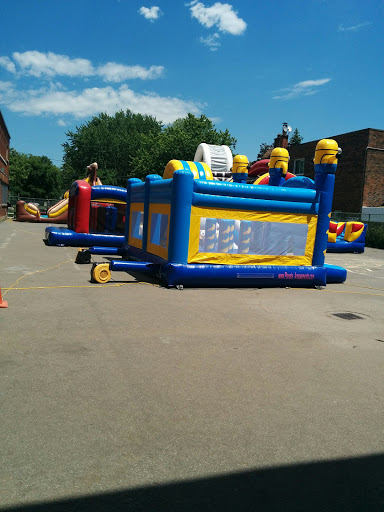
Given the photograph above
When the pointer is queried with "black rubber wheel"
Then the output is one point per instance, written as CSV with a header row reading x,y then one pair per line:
x,y
83,257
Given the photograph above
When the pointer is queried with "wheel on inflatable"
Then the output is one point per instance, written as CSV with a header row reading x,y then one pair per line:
x,y
100,273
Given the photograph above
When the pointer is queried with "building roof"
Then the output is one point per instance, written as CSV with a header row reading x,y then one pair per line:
x,y
340,135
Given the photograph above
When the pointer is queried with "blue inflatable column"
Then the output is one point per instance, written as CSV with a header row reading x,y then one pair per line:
x,y
181,203
325,160
128,210
276,177
147,192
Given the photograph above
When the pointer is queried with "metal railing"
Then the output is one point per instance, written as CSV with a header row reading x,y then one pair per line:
x,y
345,216
360,217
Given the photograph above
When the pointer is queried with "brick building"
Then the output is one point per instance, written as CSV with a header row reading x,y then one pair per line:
x,y
4,167
360,171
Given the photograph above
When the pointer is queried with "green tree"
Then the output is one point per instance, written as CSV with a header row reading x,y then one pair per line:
x,y
111,141
295,139
33,176
133,145
263,149
69,175
178,141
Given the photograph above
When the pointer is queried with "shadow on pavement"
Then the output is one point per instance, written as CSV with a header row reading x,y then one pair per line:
x,y
355,484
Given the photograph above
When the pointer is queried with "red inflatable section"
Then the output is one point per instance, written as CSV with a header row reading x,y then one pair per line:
x,y
340,228
356,226
265,179
78,207
332,227
259,167
337,227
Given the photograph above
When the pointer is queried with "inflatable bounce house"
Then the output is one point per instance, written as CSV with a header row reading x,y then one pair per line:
x,y
190,229
346,237
96,215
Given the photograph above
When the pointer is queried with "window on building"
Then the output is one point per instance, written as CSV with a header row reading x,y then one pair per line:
x,y
298,166
4,194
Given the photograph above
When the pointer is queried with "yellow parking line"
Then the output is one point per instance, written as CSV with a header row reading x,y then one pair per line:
x,y
34,272
366,287
340,291
115,285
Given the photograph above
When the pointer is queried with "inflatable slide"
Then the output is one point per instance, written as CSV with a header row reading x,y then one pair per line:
x,y
29,212
58,213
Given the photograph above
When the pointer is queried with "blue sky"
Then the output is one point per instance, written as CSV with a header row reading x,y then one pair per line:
x,y
249,66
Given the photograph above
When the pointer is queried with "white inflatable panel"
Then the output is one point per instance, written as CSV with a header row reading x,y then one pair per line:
x,y
218,158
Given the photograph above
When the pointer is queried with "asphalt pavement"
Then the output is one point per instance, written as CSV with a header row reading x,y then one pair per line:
x,y
131,396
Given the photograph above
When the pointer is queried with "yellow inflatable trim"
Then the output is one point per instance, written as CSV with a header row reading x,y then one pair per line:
x,y
106,200
177,165
261,178
350,236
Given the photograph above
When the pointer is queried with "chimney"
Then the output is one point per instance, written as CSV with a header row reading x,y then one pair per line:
x,y
281,140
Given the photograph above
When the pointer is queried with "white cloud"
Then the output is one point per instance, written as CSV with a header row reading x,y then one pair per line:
x,y
6,63
113,72
220,15
51,97
150,13
353,28
94,100
51,64
48,65
6,86
304,88
212,41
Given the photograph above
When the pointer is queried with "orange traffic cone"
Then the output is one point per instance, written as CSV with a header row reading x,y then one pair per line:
x,y
3,303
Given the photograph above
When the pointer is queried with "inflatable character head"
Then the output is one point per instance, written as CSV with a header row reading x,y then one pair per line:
x,y
279,159
327,152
